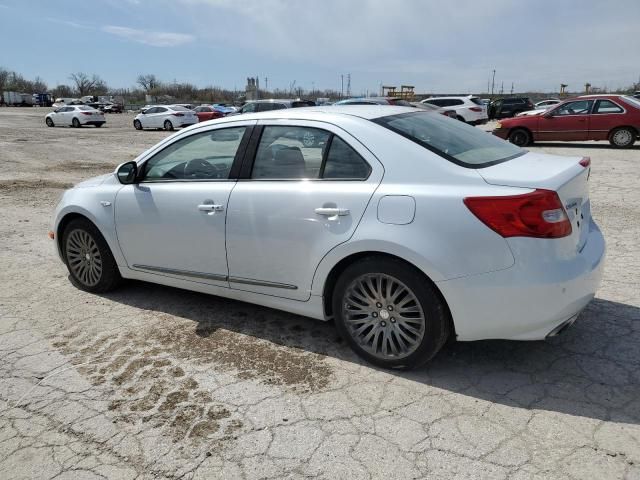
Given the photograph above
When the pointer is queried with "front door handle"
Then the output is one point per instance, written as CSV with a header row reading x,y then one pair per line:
x,y
211,208
332,212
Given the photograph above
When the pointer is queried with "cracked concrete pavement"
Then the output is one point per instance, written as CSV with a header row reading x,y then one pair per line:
x,y
153,382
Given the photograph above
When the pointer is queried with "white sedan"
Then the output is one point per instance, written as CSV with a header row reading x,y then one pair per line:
x,y
75,116
406,227
167,117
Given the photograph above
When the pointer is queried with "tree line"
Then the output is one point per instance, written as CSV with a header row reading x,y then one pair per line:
x,y
81,84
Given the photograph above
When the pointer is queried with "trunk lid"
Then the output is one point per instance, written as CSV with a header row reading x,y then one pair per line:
x,y
564,175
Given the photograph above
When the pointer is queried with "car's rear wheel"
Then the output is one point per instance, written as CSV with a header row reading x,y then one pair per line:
x,y
88,257
76,123
137,125
168,125
460,118
623,137
389,313
49,122
520,137
98,125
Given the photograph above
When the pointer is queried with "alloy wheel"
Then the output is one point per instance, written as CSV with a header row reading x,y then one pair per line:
x,y
622,137
83,257
383,316
308,139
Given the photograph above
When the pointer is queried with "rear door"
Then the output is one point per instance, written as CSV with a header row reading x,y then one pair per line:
x,y
606,116
294,204
568,122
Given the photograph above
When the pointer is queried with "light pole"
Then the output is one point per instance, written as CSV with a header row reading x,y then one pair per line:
x,y
493,81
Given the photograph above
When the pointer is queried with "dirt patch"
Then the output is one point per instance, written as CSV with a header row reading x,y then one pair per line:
x,y
22,185
82,167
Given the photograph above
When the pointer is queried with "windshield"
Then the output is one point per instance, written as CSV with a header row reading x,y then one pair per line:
x,y
178,108
631,101
399,102
85,108
476,100
454,140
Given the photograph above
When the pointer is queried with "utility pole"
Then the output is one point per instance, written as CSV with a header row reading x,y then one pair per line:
x,y
511,88
502,88
493,82
348,84
266,83
341,85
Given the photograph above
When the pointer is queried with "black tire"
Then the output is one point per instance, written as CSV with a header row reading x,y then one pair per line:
x,y
98,125
435,323
458,117
76,123
623,137
520,137
49,122
81,239
168,125
137,125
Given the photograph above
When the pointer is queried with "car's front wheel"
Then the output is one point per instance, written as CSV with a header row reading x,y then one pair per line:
x,y
520,137
137,125
308,139
623,137
88,257
49,122
389,313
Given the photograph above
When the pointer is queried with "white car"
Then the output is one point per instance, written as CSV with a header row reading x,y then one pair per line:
x,y
468,109
404,226
75,116
540,108
168,117
545,104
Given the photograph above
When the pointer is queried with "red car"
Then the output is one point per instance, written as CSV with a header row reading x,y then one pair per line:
x,y
591,117
205,113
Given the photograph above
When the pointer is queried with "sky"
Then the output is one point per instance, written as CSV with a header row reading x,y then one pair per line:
x,y
437,46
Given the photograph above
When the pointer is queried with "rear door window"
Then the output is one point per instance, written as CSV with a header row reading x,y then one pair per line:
x,y
282,154
607,106
344,163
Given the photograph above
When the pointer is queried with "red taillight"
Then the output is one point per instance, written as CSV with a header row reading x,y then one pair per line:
x,y
87,113
475,109
178,114
585,162
538,214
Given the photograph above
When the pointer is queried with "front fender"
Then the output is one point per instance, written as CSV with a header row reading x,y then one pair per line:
x,y
97,205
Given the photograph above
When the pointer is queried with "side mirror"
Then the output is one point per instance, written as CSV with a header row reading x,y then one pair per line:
x,y
127,173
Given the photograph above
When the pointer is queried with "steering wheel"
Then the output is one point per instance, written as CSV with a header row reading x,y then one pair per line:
x,y
198,168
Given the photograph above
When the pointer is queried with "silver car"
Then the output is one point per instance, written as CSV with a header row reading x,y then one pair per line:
x,y
404,226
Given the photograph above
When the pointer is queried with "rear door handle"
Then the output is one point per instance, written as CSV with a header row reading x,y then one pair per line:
x,y
332,212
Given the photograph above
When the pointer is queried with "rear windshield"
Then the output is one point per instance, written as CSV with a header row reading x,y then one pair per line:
x,y
476,100
454,140
85,108
303,103
178,108
631,101
399,102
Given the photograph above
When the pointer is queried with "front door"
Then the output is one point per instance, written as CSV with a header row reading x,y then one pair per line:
x,y
305,193
568,122
173,221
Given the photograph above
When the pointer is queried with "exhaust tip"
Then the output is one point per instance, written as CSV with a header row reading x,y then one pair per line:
x,y
562,327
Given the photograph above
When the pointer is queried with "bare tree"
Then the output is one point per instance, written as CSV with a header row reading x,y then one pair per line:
x,y
148,82
4,78
85,84
39,85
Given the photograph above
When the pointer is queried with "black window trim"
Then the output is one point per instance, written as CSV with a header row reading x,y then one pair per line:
x,y
235,165
383,123
252,149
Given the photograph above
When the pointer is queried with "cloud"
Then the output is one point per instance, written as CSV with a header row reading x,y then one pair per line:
x,y
154,39
69,23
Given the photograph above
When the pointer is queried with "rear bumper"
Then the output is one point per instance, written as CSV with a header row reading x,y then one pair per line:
x,y
528,301
94,122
